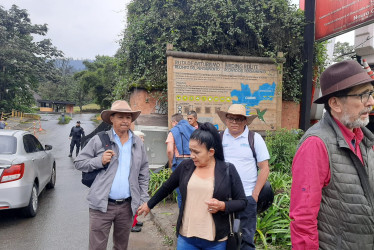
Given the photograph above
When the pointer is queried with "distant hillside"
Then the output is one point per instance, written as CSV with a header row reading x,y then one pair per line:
x,y
77,65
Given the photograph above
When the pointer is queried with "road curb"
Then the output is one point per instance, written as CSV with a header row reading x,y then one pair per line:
x,y
165,218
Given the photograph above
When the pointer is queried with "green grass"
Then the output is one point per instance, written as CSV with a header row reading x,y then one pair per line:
x,y
91,107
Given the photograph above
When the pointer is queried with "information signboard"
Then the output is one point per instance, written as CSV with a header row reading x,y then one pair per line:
x,y
207,83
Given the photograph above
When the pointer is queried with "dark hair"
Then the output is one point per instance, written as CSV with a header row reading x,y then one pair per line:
x,y
193,113
177,117
208,135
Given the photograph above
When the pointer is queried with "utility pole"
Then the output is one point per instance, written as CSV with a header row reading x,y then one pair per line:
x,y
306,87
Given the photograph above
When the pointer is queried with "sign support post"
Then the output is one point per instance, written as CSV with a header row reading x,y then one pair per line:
x,y
307,83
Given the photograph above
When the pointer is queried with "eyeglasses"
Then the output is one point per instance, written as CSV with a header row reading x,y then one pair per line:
x,y
364,96
236,120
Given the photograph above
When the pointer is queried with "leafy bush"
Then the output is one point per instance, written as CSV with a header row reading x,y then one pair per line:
x,y
273,226
67,120
157,179
280,182
282,147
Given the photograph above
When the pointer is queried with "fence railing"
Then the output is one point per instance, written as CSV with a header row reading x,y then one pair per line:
x,y
16,113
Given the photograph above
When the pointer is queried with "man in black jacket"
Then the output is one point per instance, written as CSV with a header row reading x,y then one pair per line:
x,y
75,136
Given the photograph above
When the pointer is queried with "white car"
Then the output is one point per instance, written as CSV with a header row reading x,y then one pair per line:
x,y
26,168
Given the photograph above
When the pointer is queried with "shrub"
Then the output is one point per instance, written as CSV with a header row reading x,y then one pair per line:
x,y
67,120
157,179
273,226
282,147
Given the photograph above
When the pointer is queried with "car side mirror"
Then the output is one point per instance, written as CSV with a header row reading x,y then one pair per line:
x,y
48,147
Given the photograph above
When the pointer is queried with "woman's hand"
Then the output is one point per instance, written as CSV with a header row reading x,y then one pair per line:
x,y
215,205
143,209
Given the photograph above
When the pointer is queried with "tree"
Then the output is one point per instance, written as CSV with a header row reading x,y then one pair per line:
x,y
23,61
343,51
100,78
61,87
242,27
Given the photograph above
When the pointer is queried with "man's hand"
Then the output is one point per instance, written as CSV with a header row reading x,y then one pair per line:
x,y
143,209
107,156
215,205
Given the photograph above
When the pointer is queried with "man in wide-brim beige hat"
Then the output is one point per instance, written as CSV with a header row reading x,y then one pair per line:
x,y
115,195
119,106
237,110
238,151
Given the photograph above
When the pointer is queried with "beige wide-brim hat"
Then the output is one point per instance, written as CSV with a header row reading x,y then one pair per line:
x,y
119,106
236,109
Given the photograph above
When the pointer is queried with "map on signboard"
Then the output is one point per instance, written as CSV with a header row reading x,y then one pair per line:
x,y
245,96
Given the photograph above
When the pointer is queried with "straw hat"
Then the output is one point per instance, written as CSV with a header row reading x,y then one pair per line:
x,y
119,106
340,76
236,109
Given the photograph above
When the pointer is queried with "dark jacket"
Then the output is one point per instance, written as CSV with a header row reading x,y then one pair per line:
x,y
76,132
180,178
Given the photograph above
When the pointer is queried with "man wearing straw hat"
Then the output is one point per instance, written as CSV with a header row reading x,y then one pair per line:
x,y
332,194
237,150
118,191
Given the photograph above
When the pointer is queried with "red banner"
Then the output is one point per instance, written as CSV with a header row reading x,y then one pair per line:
x,y
334,17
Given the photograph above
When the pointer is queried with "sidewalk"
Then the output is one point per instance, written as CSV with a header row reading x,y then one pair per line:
x,y
22,124
165,217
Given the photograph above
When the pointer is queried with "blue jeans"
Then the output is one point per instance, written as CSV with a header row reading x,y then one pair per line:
x,y
179,196
193,243
248,219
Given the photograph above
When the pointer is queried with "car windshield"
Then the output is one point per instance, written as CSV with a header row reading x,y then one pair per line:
x,y
8,144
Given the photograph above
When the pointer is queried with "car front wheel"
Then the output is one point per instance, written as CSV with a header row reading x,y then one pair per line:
x,y
32,208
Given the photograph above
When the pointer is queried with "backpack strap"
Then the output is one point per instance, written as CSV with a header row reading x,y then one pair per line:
x,y
251,141
105,140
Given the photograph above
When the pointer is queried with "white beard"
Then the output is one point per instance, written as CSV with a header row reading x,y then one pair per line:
x,y
358,123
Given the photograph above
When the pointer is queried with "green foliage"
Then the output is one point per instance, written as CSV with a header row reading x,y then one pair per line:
x,y
99,79
243,28
282,147
343,51
23,62
274,225
66,121
157,179
280,182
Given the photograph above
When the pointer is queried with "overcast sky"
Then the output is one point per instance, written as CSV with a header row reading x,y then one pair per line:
x,y
83,29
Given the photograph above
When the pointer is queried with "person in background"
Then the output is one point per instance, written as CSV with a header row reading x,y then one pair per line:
x,y
76,134
238,151
332,202
137,225
192,119
2,123
177,148
118,191
206,182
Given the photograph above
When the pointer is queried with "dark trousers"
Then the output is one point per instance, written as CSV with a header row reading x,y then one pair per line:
x,y
248,219
77,143
100,223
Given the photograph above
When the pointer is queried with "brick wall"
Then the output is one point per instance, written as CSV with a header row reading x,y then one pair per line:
x,y
290,115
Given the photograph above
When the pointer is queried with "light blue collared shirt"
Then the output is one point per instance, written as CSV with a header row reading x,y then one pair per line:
x,y
121,186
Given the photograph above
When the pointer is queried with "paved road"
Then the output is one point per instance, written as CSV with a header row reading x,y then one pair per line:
x,y
62,220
